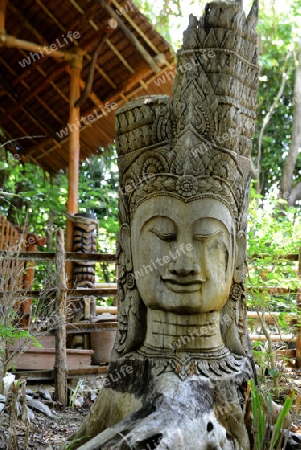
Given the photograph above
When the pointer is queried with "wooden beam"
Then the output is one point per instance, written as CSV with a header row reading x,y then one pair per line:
x,y
132,38
74,155
2,16
13,42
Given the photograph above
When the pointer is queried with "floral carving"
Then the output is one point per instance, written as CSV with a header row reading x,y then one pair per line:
x,y
187,186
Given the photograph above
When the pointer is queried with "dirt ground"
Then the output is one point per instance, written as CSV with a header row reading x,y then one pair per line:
x,y
49,433
45,433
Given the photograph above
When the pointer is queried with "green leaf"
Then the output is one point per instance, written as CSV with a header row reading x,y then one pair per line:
x,y
282,416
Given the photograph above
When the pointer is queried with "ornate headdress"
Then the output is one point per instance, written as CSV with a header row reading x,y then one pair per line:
x,y
196,145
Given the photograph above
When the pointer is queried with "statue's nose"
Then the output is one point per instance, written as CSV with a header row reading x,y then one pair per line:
x,y
185,266
182,271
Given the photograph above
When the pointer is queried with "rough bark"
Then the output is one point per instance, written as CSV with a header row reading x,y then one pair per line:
x,y
290,192
167,412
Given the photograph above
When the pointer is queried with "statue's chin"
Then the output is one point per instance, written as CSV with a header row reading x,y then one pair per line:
x,y
186,303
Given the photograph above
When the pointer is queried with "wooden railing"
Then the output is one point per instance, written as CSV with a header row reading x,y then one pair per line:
x,y
13,240
10,255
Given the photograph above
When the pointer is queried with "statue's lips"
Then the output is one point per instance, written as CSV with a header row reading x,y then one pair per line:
x,y
177,285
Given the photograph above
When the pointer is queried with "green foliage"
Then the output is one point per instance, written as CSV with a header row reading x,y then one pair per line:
x,y
10,334
36,196
267,437
277,38
98,194
274,231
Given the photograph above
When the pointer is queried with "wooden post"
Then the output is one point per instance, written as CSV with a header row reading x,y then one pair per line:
x,y
298,328
2,16
74,152
60,367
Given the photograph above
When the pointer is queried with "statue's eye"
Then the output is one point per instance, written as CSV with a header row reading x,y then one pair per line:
x,y
207,237
164,236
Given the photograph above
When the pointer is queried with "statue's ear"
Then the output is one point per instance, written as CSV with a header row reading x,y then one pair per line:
x,y
125,242
240,256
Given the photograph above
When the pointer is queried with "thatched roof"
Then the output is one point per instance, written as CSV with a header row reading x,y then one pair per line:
x,y
35,88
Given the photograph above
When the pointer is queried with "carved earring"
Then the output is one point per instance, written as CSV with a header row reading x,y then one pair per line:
x,y
130,281
235,292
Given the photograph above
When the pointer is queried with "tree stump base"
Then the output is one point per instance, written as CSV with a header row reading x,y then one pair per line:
x,y
141,409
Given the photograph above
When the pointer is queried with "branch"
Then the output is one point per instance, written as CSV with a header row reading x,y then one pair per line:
x,y
294,195
93,63
8,194
290,162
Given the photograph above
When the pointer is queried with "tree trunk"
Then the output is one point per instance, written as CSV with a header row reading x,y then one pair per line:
x,y
288,191
139,409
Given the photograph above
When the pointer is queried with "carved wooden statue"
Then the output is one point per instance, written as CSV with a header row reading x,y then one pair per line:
x,y
181,359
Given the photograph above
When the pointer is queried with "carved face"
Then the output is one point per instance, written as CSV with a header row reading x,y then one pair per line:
x,y
182,254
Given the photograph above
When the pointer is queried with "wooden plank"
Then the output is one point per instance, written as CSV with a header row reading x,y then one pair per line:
x,y
276,290
35,375
48,375
106,309
274,338
289,353
289,256
271,318
82,327
50,256
44,359
91,370
71,293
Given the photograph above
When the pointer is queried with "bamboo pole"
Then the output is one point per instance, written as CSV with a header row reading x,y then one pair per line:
x,y
74,153
60,367
20,44
2,16
298,327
